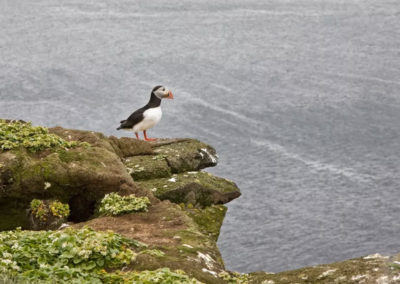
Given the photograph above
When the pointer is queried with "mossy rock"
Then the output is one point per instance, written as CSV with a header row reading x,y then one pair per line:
x,y
209,219
123,147
127,147
200,189
370,269
147,167
186,154
79,176
95,139
168,228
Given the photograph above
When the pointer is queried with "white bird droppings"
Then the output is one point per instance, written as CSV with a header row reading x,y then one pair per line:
x,y
375,256
383,280
207,259
327,273
213,273
47,185
358,277
213,158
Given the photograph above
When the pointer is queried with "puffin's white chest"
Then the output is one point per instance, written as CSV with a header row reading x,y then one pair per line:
x,y
150,118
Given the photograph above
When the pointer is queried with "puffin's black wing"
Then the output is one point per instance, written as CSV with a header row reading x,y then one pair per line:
x,y
133,119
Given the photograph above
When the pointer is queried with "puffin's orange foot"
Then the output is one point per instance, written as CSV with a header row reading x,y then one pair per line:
x,y
146,138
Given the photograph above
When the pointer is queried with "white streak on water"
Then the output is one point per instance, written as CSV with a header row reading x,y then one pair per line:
x,y
364,78
214,107
222,87
349,173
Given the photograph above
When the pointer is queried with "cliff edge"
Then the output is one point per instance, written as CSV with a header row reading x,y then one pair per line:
x,y
77,206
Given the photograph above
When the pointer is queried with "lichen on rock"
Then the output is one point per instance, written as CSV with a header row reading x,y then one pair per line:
x,y
147,167
208,219
184,155
196,187
369,269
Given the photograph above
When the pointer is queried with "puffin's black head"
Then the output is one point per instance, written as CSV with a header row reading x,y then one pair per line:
x,y
162,92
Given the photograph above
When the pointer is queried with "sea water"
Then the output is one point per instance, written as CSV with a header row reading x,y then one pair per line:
x,y
301,99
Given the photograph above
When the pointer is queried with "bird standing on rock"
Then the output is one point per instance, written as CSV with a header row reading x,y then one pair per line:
x,y
149,115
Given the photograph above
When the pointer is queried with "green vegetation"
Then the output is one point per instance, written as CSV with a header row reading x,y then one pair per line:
x,y
20,134
148,167
59,209
161,276
208,219
234,277
205,179
69,254
41,209
113,204
80,256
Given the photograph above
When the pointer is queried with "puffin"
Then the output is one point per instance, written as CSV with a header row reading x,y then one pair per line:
x,y
149,115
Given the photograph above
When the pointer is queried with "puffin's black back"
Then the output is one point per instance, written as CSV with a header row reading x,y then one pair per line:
x,y
137,116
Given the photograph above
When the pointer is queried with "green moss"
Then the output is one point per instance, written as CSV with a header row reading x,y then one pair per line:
x,y
162,185
234,277
147,167
67,156
187,155
19,134
209,219
359,270
201,189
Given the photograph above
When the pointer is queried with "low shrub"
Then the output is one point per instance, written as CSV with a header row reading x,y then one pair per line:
x,y
35,138
113,204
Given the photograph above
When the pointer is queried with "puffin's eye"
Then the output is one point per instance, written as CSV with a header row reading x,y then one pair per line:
x,y
163,89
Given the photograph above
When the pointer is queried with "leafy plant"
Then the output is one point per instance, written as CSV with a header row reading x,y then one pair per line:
x,y
76,256
59,209
69,254
234,277
161,276
41,209
20,134
113,204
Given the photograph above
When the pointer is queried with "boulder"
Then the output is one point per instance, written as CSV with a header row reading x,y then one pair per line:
x,y
170,229
200,189
147,167
79,176
186,154
370,269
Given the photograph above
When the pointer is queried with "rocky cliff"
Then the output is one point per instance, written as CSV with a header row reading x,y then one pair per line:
x,y
119,210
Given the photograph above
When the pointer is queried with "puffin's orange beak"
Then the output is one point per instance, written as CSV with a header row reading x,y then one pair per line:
x,y
170,95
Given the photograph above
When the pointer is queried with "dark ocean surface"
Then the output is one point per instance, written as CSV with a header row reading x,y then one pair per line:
x,y
301,99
